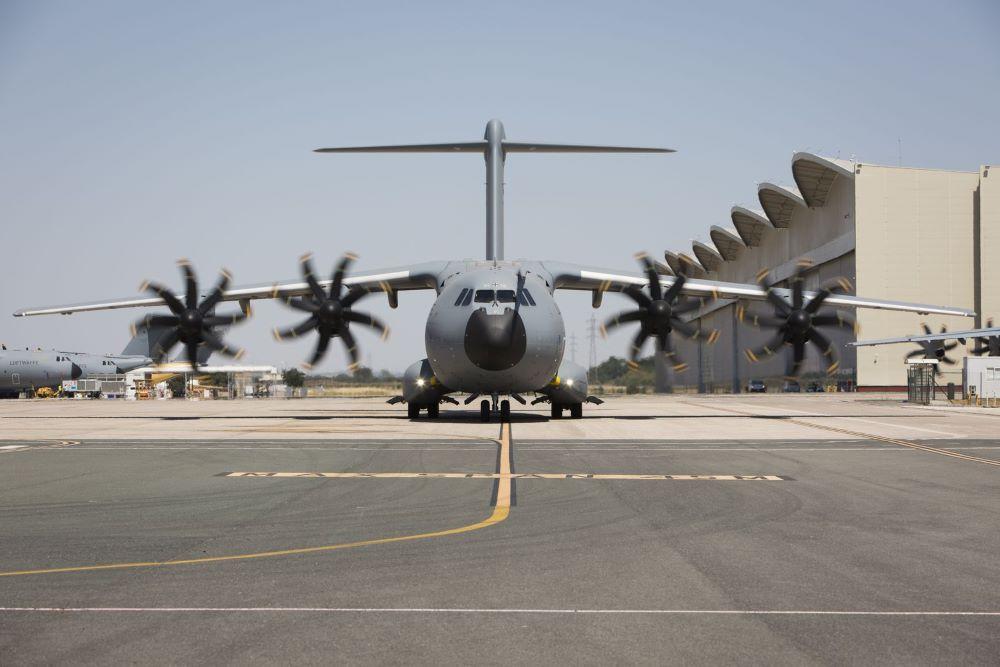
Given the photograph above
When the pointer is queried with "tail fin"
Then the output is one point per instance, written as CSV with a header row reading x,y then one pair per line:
x,y
494,147
144,342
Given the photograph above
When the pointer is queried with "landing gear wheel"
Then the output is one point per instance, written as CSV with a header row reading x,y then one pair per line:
x,y
505,410
576,411
412,410
433,410
556,411
484,411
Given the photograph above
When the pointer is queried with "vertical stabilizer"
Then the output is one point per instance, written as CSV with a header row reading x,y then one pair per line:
x,y
494,149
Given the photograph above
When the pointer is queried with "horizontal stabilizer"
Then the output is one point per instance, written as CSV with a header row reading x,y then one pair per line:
x,y
480,147
462,147
521,147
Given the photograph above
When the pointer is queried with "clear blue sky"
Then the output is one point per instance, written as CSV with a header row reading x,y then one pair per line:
x,y
135,133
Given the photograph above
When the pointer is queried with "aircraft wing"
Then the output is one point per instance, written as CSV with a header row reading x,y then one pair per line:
x,y
413,277
917,338
570,276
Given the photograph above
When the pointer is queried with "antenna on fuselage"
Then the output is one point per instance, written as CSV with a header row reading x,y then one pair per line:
x,y
494,147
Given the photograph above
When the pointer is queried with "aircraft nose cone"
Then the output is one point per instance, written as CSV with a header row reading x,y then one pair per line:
x,y
75,372
495,342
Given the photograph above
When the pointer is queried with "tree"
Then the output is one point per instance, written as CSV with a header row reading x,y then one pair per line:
x,y
293,377
177,386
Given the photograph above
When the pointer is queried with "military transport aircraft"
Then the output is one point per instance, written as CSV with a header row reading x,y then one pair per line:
x,y
935,346
30,370
494,329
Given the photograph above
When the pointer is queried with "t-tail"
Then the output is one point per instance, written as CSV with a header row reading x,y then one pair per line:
x,y
494,147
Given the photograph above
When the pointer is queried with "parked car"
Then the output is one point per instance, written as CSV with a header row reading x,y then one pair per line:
x,y
756,387
815,388
791,387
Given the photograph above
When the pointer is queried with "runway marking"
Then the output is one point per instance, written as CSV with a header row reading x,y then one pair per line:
x,y
880,438
507,476
912,428
501,510
488,610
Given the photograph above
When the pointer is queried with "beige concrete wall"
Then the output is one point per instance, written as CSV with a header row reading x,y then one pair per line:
x,y
914,242
989,234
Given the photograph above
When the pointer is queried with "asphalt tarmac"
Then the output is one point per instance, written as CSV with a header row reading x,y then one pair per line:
x,y
495,545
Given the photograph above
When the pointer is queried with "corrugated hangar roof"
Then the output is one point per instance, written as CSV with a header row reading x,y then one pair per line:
x,y
752,226
708,256
778,202
673,261
814,175
691,267
727,241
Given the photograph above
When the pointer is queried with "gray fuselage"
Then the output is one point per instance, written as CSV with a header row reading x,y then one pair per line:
x,y
482,338
27,370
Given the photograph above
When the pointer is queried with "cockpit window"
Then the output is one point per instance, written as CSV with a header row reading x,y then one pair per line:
x,y
505,295
484,296
461,297
526,299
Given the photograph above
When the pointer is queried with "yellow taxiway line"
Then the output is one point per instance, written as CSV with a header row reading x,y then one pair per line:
x,y
501,511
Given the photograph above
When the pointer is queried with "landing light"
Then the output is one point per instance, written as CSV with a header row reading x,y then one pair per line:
x,y
420,382
569,383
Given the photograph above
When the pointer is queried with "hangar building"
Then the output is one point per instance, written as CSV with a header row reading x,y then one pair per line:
x,y
922,235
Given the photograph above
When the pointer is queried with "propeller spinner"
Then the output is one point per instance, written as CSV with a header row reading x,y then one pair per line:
x,y
658,316
330,312
797,323
190,323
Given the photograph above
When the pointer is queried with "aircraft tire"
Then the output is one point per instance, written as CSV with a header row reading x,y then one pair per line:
x,y
484,411
576,411
556,411
412,410
505,410
433,410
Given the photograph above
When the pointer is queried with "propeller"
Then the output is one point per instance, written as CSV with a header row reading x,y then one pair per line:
x,y
992,344
190,323
658,316
934,349
798,323
330,312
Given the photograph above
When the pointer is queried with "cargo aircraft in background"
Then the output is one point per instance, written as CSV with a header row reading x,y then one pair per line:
x,y
26,371
935,346
494,330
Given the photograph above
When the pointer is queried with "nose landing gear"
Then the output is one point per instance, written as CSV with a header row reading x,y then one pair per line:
x,y
498,407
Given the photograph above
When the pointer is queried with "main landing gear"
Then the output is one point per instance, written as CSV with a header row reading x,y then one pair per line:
x,y
575,410
413,410
498,407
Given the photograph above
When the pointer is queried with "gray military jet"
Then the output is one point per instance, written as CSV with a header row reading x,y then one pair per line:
x,y
495,329
26,371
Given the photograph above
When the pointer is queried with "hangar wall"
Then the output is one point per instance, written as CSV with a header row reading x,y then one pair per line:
x,y
988,305
915,242
922,235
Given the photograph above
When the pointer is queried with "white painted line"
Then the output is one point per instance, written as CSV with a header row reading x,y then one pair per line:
x,y
813,415
912,428
461,610
12,448
515,475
